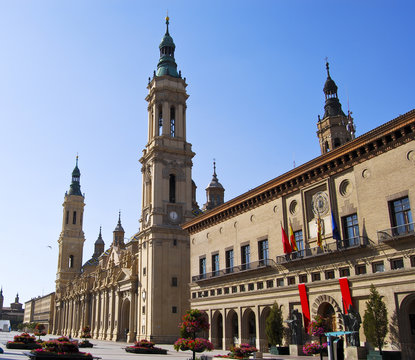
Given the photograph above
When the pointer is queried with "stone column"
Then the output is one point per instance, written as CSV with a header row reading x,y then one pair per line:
x,y
116,316
240,340
131,327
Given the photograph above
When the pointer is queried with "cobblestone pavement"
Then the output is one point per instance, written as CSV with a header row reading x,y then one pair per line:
x,y
109,350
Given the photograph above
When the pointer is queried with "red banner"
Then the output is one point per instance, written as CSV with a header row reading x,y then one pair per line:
x,y
347,298
304,305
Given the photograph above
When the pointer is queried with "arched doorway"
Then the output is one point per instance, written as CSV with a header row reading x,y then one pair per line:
x,y
249,327
263,340
125,321
407,327
231,329
326,311
217,330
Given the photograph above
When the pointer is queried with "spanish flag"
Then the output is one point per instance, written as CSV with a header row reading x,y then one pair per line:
x,y
285,243
319,236
292,239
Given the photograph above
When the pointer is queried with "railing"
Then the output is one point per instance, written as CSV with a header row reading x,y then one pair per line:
x,y
260,264
396,231
339,245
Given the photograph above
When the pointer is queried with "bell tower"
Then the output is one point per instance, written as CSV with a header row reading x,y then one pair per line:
x,y
335,128
164,254
71,239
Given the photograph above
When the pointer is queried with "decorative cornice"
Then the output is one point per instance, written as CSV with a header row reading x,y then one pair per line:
x,y
373,143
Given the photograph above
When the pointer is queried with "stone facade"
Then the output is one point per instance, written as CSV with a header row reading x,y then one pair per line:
x,y
364,189
14,313
40,310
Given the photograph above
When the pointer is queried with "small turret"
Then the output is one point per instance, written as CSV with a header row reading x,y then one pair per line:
x,y
167,65
99,245
118,234
214,192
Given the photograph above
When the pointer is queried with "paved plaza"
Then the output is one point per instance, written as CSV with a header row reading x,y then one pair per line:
x,y
109,350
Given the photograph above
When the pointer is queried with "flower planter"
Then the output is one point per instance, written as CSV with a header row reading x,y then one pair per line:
x,y
85,344
22,346
50,355
143,350
279,350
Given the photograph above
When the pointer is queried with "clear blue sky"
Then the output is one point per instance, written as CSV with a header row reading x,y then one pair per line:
x,y
73,77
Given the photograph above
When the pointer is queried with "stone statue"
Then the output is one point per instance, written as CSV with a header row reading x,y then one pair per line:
x,y
352,322
296,327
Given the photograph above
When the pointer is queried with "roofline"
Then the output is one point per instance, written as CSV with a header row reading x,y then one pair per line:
x,y
381,139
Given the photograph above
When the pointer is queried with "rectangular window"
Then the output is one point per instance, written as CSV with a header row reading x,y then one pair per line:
x,y
360,269
241,288
212,292
397,263
280,282
291,280
202,267
315,276
270,284
245,257
199,294
143,310
144,271
67,217
174,242
250,286
234,289
219,291
401,217
205,293
174,281
378,267
174,309
226,290
302,279
263,251
344,272
74,218
193,295
412,261
298,235
215,265
229,260
351,230
329,274
259,285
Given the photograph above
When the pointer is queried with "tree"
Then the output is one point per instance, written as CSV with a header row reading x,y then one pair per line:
x,y
274,327
375,320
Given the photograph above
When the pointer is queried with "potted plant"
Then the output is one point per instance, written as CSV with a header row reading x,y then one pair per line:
x,y
274,330
60,349
316,328
23,341
86,334
40,330
145,347
194,321
375,323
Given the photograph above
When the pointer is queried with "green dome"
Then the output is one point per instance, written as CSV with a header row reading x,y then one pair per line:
x,y
167,65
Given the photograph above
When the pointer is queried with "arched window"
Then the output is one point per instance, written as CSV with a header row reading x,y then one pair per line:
x,y
172,121
74,218
172,188
71,261
67,216
327,147
160,120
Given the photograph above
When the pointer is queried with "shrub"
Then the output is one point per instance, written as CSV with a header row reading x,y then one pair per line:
x,y
274,327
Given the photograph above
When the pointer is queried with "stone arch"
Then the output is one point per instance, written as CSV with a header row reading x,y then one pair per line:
x,y
326,299
217,329
124,327
231,328
263,340
406,331
248,327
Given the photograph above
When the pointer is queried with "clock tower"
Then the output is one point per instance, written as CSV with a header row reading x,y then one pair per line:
x,y
164,252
